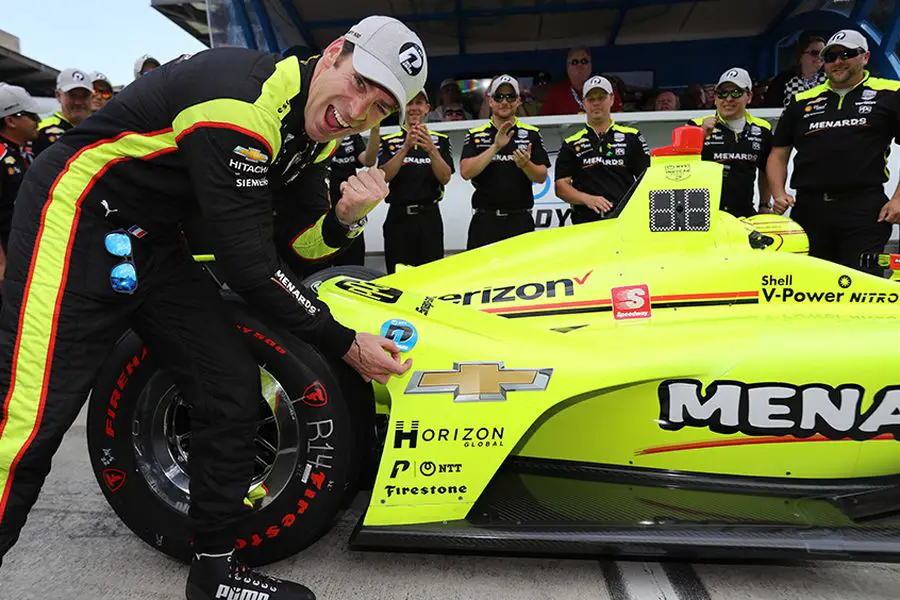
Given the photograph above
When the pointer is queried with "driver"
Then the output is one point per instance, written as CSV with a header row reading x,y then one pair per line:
x,y
96,247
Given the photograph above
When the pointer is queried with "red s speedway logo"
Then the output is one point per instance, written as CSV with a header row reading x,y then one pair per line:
x,y
631,302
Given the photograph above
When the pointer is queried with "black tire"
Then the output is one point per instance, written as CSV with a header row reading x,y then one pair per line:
x,y
126,403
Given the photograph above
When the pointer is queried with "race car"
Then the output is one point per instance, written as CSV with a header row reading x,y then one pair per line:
x,y
660,383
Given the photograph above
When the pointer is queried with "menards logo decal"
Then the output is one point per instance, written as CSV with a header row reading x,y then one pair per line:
x,y
780,409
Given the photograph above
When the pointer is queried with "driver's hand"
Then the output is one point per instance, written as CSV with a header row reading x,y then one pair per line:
x,y
360,194
599,204
369,357
783,202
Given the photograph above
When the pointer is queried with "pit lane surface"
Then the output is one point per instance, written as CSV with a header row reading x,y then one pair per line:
x,y
74,548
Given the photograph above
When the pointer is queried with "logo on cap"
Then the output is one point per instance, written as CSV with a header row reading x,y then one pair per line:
x,y
78,76
838,36
732,73
412,59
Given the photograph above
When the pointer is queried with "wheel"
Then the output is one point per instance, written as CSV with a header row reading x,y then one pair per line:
x,y
316,279
307,462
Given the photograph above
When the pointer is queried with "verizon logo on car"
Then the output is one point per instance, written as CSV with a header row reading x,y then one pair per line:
x,y
631,302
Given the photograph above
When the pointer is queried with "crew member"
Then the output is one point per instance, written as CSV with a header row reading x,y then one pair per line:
x,y
103,91
296,223
417,163
98,247
738,141
73,92
18,126
352,153
842,131
598,164
502,158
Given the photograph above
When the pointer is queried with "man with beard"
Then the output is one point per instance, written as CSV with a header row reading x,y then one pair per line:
x,y
418,163
502,158
74,92
599,163
738,141
842,131
97,246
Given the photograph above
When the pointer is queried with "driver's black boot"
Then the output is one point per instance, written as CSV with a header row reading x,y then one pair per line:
x,y
223,577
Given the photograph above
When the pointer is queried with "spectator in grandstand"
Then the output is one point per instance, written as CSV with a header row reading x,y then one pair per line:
x,y
538,94
502,158
840,167
694,97
103,91
666,100
144,64
451,99
417,163
597,165
565,97
739,142
806,72
74,92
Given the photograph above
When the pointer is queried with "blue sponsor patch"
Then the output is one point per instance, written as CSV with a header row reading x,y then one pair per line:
x,y
401,332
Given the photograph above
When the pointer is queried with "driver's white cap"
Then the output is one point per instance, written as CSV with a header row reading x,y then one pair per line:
x,y
391,55
847,38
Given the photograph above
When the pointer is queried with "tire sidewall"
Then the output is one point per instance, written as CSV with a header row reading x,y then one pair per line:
x,y
305,509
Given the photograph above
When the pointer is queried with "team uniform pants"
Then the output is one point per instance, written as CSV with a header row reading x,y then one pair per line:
x,y
842,227
488,227
413,235
60,318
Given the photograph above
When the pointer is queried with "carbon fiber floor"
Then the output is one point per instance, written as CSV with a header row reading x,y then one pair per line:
x,y
74,548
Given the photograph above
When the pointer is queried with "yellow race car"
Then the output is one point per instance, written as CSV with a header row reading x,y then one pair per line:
x,y
673,381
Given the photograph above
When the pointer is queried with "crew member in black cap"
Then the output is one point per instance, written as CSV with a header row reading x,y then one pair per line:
x,y
599,163
502,158
842,131
418,164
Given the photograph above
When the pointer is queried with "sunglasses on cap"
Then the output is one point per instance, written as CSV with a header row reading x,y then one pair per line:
x,y
509,97
123,276
735,93
832,55
580,61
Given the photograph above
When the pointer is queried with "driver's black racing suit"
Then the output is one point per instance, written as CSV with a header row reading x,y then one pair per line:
x,y
215,134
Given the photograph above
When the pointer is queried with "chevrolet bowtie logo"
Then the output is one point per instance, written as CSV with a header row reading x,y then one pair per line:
x,y
479,381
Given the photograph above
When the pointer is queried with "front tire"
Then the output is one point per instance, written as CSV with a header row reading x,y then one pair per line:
x,y
307,446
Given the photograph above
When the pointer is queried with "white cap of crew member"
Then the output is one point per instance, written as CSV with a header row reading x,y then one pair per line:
x,y
98,76
70,79
14,99
503,79
390,54
738,76
597,82
847,38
